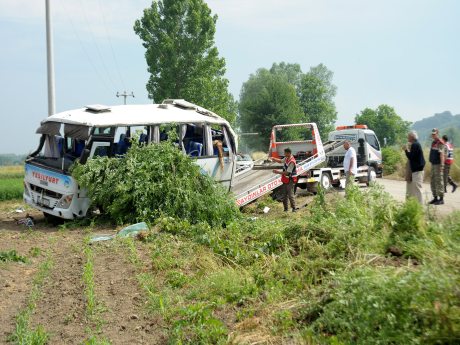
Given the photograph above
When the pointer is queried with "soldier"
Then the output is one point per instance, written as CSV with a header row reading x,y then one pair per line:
x,y
447,164
437,159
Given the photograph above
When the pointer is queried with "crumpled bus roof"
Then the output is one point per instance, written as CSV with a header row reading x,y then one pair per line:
x,y
170,111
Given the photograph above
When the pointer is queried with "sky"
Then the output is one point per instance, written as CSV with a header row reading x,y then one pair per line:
x,y
404,53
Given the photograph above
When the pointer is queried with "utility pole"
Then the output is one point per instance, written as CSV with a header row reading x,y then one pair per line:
x,y
50,61
124,95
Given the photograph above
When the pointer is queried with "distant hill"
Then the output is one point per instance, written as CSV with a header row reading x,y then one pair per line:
x,y
11,159
446,123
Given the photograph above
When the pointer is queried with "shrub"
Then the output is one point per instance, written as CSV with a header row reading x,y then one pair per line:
x,y
153,181
392,160
393,306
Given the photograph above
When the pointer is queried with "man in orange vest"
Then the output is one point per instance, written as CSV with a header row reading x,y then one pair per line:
x,y
288,177
447,164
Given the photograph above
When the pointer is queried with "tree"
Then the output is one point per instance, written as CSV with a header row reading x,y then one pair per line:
x,y
386,123
267,99
182,59
291,71
316,95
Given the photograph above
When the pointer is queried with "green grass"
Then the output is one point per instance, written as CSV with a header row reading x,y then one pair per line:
x,y
94,308
12,255
23,334
11,188
321,276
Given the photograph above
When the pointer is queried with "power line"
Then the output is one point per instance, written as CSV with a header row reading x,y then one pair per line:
x,y
95,43
110,44
83,47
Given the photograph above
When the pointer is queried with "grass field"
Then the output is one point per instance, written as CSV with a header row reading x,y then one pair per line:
x,y
11,182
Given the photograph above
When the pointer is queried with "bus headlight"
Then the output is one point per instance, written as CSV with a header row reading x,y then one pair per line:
x,y
65,201
26,190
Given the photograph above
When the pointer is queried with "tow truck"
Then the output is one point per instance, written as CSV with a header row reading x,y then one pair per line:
x,y
318,164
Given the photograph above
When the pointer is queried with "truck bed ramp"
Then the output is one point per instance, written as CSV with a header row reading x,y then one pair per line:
x,y
256,183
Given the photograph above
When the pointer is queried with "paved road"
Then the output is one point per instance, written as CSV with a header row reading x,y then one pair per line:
x,y
398,190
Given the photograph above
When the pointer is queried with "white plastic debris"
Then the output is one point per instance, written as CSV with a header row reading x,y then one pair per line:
x,y
266,209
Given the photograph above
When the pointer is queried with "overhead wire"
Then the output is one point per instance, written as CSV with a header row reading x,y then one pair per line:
x,y
104,21
95,43
89,56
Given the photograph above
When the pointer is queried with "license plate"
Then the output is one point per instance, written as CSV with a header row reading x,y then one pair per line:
x,y
44,201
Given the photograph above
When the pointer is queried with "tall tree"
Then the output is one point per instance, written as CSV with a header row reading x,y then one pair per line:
x,y
291,71
316,98
267,99
182,59
386,123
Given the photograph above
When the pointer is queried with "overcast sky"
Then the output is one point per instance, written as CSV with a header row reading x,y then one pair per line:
x,y
404,53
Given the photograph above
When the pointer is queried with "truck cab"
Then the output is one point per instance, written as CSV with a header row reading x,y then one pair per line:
x,y
365,143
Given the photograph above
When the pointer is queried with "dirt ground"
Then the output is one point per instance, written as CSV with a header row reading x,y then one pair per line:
x,y
61,308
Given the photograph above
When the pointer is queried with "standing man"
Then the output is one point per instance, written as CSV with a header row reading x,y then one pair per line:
x,y
437,158
447,163
288,177
350,164
417,163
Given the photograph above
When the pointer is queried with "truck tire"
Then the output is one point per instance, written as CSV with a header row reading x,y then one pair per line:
x,y
326,181
371,176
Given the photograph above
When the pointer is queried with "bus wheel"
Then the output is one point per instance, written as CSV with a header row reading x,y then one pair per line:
x,y
53,220
371,176
326,182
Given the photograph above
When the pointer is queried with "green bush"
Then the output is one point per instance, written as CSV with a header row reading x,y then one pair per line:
x,y
392,160
153,181
393,306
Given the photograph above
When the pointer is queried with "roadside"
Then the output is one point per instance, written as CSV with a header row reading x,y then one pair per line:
x,y
397,189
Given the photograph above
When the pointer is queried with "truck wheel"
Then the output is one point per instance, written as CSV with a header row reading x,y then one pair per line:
x,y
371,176
326,182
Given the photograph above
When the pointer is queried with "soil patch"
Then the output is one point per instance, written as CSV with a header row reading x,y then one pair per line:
x,y
61,308
125,320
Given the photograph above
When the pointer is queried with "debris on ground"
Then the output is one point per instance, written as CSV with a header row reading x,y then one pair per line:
x,y
27,221
131,230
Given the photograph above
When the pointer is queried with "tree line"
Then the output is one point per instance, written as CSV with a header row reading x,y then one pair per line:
x,y
183,62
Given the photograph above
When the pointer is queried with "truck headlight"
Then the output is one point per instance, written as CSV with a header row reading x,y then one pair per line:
x,y
65,201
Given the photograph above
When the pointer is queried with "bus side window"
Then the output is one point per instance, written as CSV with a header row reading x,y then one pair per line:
x,y
194,140
121,143
219,141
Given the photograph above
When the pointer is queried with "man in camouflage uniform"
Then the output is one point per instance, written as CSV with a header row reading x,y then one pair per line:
x,y
437,159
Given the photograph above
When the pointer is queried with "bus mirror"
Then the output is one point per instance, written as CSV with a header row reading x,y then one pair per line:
x,y
84,156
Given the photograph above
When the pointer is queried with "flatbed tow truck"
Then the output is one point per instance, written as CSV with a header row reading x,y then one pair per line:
x,y
312,156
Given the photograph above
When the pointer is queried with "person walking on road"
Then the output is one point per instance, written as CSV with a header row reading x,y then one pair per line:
x,y
447,164
437,159
350,164
416,160
288,177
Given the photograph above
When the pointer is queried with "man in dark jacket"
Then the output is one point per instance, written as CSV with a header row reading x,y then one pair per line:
x,y
417,164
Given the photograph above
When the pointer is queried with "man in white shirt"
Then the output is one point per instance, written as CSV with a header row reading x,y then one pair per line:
x,y
350,164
